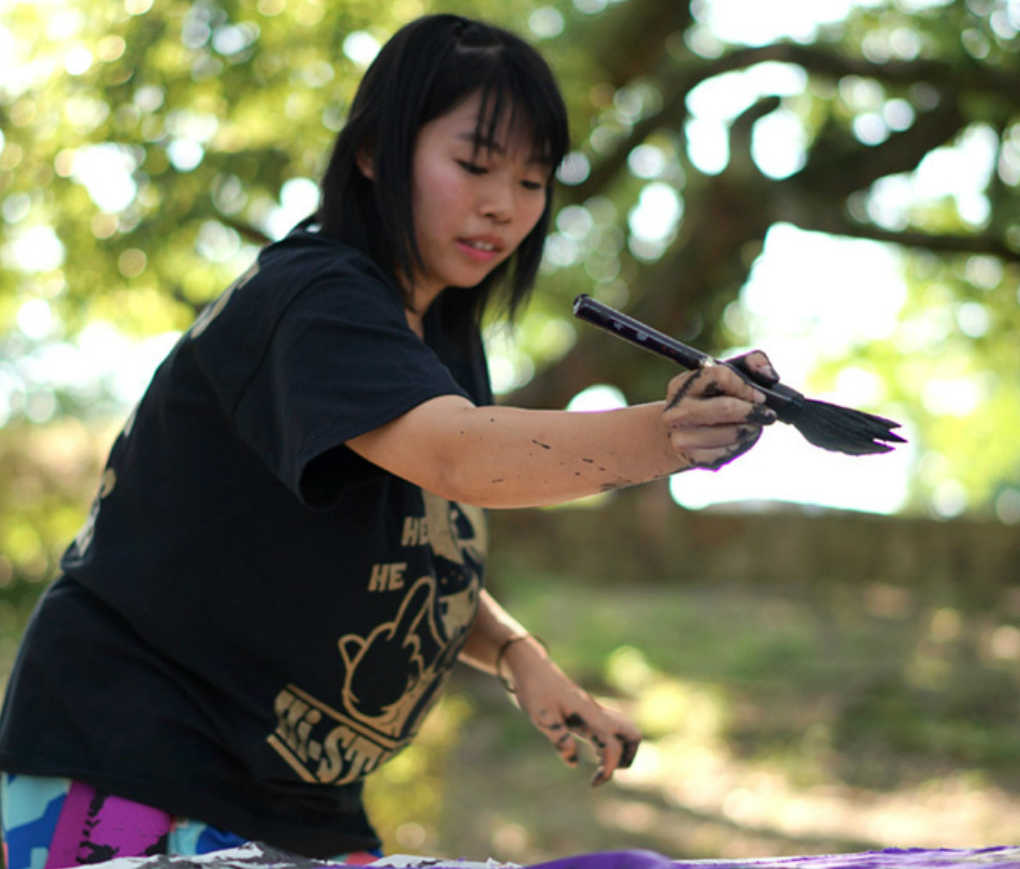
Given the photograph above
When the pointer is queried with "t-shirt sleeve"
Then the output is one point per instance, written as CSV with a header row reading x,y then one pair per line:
x,y
342,361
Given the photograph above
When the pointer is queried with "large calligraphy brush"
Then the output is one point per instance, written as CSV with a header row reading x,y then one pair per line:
x,y
825,425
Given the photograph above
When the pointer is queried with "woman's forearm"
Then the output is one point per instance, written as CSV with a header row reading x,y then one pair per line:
x,y
509,457
503,457
492,628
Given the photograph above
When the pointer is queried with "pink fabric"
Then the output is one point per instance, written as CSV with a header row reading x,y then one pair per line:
x,y
93,828
359,858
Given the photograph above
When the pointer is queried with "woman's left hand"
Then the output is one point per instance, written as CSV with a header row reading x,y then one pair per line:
x,y
565,713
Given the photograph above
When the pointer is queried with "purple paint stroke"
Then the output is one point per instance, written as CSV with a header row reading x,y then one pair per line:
x,y
257,856
999,857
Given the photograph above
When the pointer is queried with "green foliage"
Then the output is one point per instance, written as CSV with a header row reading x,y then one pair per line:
x,y
201,116
776,721
47,482
148,148
405,797
951,364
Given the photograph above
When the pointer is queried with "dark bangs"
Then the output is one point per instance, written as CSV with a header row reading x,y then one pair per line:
x,y
507,81
426,69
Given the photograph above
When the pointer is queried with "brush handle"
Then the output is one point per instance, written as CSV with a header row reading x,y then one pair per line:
x,y
782,399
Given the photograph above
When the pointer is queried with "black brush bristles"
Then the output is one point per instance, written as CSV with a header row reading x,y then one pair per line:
x,y
843,429
829,426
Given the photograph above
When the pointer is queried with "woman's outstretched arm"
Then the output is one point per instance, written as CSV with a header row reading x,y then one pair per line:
x,y
509,457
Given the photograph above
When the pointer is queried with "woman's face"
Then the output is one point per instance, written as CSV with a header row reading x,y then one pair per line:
x,y
473,202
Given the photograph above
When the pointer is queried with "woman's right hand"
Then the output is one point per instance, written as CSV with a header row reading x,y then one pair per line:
x,y
713,415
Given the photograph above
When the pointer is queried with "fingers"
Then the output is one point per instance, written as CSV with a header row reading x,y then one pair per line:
x,y
556,731
619,754
630,746
566,714
714,396
714,415
607,750
711,382
723,410
713,459
757,364
614,739
714,437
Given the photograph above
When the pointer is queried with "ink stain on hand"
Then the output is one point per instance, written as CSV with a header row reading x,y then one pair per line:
x,y
542,445
629,749
761,415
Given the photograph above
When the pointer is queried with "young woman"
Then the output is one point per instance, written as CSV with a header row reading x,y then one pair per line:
x,y
285,556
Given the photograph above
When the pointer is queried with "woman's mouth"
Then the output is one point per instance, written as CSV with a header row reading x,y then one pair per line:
x,y
480,249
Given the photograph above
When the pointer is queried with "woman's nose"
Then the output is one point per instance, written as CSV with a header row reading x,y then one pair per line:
x,y
497,200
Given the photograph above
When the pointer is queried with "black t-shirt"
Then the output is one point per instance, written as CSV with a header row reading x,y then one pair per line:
x,y
253,617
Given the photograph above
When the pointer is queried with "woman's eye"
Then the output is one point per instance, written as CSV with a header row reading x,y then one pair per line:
x,y
473,168
532,185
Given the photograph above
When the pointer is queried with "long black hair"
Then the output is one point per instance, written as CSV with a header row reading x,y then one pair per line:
x,y
426,69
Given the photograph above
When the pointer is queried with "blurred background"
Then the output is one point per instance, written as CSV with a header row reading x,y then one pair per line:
x,y
823,651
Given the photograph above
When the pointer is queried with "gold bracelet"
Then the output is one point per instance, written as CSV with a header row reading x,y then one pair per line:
x,y
507,643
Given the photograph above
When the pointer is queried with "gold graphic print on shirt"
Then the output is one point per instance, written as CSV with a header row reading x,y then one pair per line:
x,y
391,674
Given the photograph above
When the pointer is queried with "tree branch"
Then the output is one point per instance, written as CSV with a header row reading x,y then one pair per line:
x,y
176,292
629,39
938,242
245,230
677,81
833,64
672,114
839,164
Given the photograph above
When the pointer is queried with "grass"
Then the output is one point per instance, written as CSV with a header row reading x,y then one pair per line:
x,y
850,719
837,719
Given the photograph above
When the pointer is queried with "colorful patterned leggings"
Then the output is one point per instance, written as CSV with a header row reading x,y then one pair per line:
x,y
56,822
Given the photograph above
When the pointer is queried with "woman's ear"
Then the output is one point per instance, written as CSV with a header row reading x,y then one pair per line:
x,y
365,163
